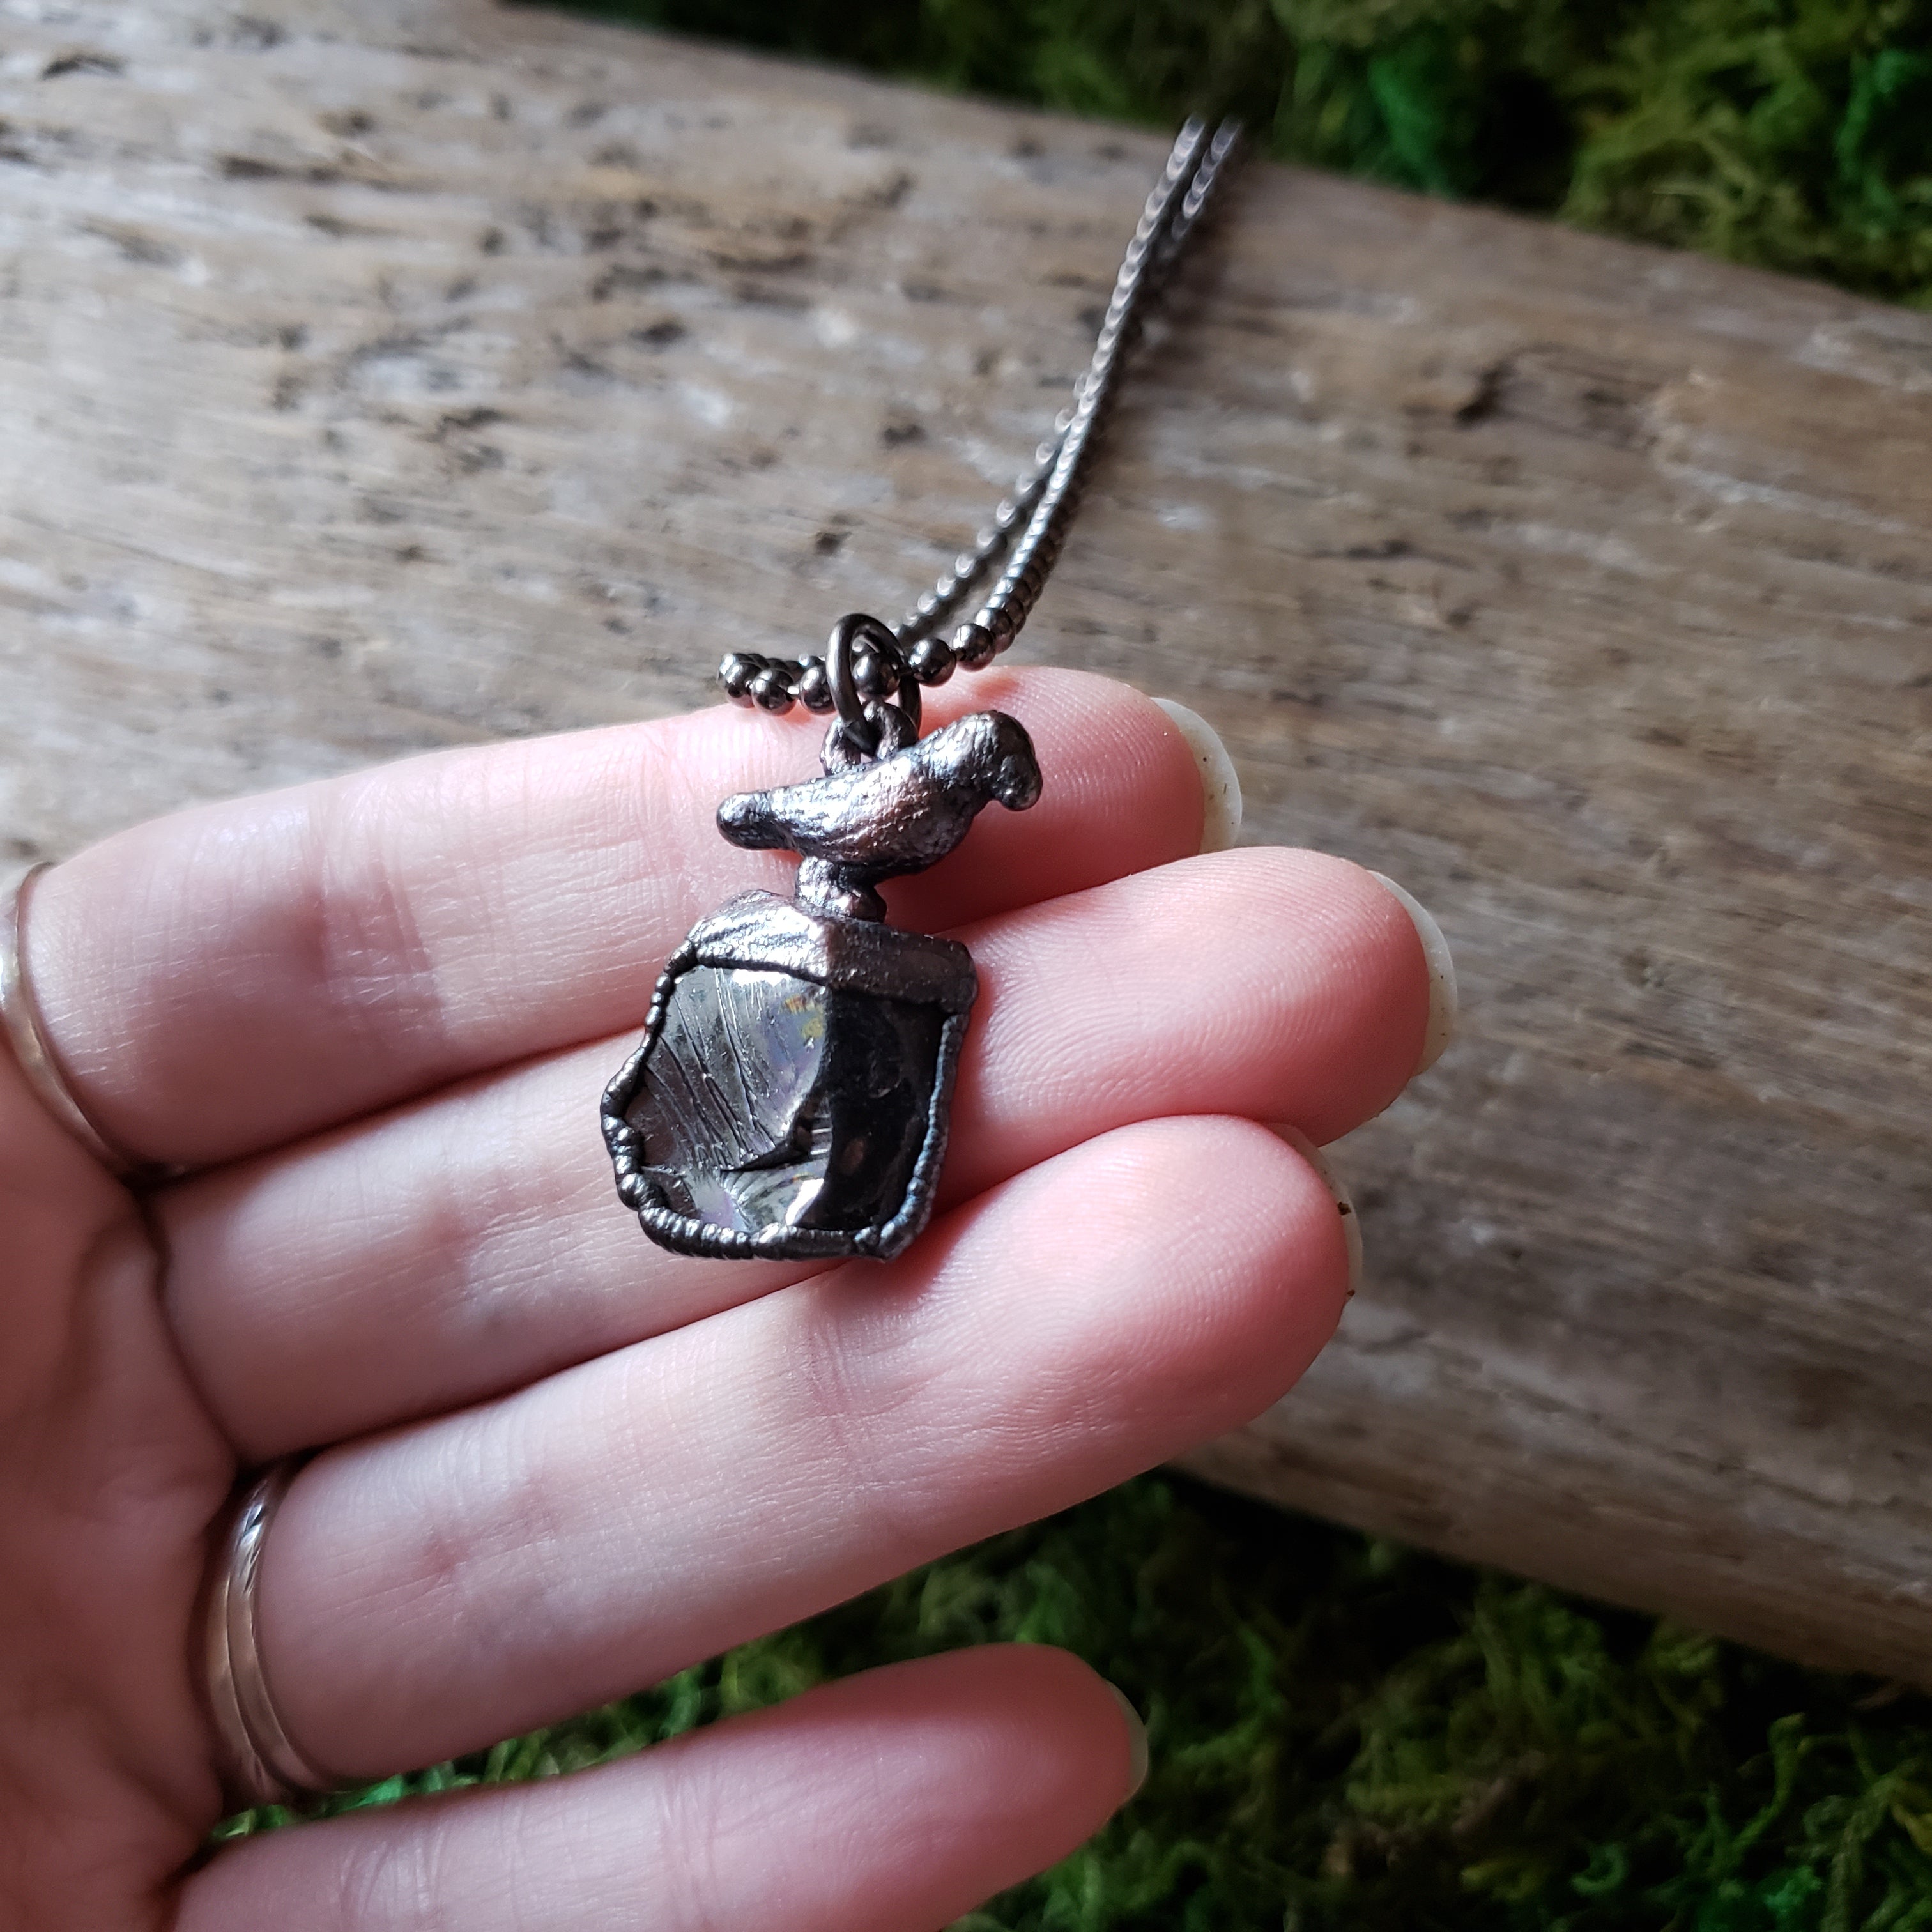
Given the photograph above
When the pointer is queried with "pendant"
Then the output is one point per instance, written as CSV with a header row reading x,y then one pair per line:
x,y
790,1096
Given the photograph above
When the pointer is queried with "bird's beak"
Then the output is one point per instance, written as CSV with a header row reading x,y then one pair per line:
x,y
1019,784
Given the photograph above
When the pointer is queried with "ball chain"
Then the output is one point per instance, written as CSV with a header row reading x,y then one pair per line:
x,y
1043,501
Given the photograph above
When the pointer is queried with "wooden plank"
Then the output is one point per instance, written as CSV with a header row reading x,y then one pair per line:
x,y
387,374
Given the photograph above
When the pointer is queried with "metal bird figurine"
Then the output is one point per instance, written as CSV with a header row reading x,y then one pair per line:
x,y
881,817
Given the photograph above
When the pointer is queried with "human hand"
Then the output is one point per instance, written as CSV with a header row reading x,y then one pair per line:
x,y
372,1018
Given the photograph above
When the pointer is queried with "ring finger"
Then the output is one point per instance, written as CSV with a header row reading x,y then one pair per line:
x,y
426,1591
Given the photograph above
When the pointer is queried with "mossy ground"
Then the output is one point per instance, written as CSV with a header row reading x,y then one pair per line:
x,y
1351,1737
1795,134
1347,1734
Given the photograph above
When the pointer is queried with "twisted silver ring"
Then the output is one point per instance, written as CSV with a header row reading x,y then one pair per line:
x,y
261,1764
30,1044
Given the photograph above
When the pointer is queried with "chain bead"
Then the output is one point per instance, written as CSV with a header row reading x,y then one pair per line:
x,y
735,673
814,688
771,691
870,675
973,645
932,661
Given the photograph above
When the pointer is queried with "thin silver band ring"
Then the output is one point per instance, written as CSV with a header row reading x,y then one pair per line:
x,y
30,1047
261,1763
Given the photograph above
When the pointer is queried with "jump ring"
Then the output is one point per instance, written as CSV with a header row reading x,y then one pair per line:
x,y
888,727
849,702
32,1050
260,1763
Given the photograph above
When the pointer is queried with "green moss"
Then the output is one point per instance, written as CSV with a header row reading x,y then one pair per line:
x,y
1795,134
1348,1736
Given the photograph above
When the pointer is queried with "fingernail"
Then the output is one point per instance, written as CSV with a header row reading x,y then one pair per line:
x,y
1137,1741
1441,974
1351,1222
1220,783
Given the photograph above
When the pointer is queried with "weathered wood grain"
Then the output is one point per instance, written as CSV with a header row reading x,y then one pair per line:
x,y
384,373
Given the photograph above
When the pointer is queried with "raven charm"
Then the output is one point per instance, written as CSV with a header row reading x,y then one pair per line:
x,y
790,1095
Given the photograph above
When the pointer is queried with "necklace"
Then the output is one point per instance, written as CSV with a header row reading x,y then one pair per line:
x,y
790,1094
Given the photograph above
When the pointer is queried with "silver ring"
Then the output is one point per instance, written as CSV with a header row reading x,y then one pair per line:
x,y
30,1044
261,1763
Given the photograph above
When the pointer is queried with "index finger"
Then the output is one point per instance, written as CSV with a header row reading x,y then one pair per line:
x,y
238,975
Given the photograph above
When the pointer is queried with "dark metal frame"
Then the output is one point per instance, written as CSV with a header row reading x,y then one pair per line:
x,y
764,933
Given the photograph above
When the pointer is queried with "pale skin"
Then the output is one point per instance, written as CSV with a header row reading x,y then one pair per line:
x,y
372,1018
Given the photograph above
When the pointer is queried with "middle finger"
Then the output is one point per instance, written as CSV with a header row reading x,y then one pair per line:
x,y
467,1245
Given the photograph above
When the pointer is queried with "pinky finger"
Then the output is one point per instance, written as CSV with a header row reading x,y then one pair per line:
x,y
893,1801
